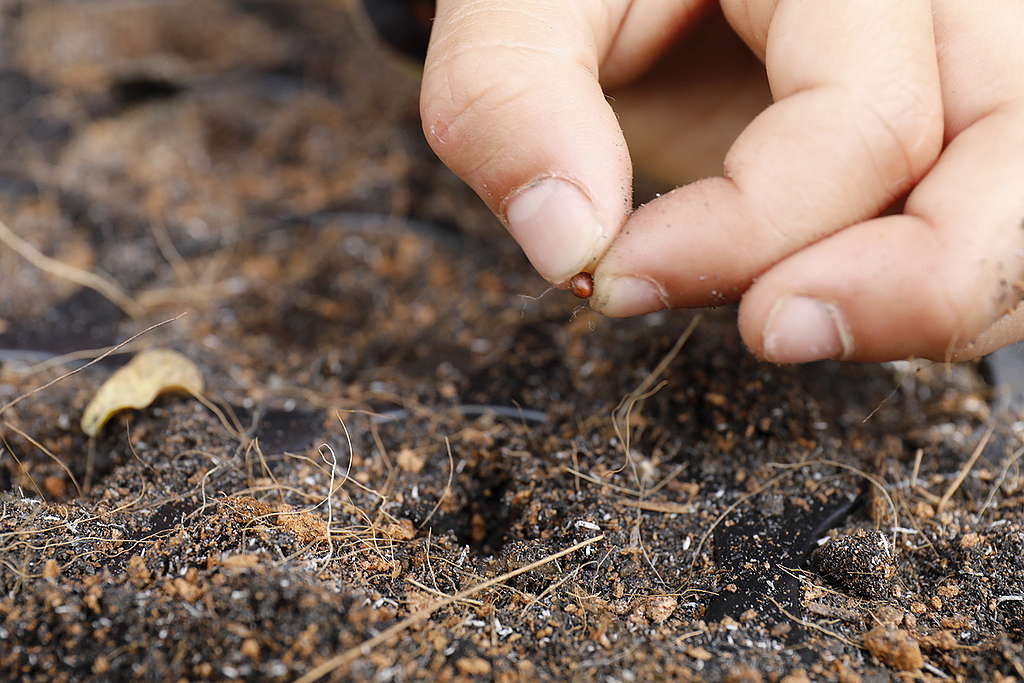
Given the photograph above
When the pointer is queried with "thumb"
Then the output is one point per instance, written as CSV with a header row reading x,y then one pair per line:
x,y
512,104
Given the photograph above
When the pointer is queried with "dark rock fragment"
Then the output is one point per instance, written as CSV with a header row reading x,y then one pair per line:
x,y
860,563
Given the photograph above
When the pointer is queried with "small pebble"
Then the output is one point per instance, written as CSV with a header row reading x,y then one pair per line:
x,y
894,647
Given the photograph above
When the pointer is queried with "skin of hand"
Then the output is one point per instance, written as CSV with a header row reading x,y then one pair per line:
x,y
873,211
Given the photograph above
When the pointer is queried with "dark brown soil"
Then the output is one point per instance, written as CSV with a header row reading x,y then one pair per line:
x,y
259,166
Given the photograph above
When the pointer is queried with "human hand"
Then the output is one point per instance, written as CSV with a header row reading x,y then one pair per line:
x,y
872,100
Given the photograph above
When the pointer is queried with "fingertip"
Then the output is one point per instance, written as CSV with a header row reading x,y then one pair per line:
x,y
511,103
802,329
556,225
628,295
887,289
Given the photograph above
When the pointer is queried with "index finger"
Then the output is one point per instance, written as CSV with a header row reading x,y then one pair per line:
x,y
856,122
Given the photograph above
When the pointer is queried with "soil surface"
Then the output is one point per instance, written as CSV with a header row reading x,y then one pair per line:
x,y
390,421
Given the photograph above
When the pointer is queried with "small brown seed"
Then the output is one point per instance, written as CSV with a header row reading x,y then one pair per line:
x,y
582,285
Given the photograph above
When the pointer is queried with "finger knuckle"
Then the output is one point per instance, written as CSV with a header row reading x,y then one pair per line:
x,y
466,91
911,117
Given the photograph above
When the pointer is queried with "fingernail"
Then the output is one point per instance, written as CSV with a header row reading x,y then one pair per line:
x,y
624,296
801,329
554,223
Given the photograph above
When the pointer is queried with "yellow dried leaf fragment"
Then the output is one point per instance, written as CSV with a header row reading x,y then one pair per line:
x,y
136,385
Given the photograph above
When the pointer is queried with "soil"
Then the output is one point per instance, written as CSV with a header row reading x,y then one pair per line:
x,y
394,420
